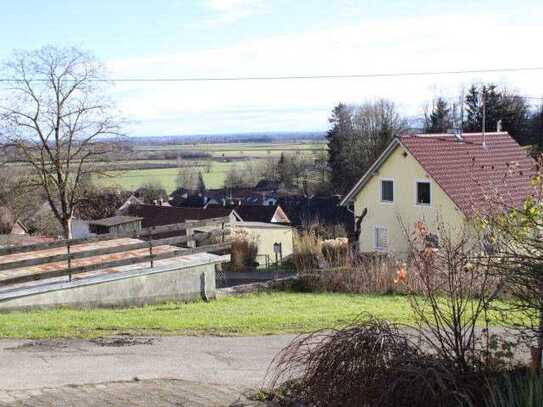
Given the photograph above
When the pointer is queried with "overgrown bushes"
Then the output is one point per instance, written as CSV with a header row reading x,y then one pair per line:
x,y
449,358
243,251
332,265
373,363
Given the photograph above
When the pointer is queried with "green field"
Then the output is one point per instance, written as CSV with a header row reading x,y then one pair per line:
x,y
132,179
166,177
254,314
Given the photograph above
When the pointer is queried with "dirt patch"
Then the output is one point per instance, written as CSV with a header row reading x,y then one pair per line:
x,y
123,340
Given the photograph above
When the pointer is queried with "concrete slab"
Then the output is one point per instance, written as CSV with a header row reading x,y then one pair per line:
x,y
180,278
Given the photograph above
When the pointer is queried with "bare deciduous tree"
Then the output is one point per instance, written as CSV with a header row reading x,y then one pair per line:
x,y
56,113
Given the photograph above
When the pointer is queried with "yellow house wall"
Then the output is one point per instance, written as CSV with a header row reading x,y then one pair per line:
x,y
404,171
266,236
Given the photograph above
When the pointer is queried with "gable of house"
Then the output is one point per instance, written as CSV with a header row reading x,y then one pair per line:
x,y
454,175
259,213
389,222
131,200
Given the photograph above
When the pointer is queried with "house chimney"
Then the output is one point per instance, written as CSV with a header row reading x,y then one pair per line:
x,y
459,136
499,126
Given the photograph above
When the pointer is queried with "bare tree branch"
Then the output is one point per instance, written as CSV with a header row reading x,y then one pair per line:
x,y
55,115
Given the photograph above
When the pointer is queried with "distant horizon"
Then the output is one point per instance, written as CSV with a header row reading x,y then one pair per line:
x,y
239,133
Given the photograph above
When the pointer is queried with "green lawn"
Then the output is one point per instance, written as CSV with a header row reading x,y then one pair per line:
x,y
248,315
255,314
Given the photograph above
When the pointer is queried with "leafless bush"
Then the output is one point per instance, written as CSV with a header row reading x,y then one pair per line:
x,y
7,220
332,265
243,251
454,293
308,252
369,364
363,274
323,230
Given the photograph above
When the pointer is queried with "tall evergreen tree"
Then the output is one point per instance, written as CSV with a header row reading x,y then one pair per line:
x,y
439,120
477,96
499,104
339,137
357,136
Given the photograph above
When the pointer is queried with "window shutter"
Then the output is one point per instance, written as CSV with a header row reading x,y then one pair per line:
x,y
381,238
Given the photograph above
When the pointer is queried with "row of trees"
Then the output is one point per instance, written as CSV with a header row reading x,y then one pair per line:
x,y
496,104
292,171
359,134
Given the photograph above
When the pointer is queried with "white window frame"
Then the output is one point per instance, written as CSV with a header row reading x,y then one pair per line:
x,y
380,249
423,181
381,190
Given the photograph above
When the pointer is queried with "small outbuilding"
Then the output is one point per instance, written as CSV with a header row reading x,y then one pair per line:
x,y
116,224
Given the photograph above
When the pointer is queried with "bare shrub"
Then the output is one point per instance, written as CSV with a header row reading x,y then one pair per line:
x,y
370,363
336,251
513,233
453,295
341,367
7,220
243,251
307,254
364,274
332,265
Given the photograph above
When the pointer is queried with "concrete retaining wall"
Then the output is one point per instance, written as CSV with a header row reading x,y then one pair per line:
x,y
145,286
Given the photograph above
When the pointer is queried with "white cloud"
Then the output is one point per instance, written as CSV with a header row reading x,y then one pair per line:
x,y
432,43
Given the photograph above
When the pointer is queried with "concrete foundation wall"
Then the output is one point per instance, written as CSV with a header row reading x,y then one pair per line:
x,y
146,286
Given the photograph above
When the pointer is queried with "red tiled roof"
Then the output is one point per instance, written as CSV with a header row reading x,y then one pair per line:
x,y
469,173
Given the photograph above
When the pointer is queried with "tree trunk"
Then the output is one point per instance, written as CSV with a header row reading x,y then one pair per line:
x,y
67,228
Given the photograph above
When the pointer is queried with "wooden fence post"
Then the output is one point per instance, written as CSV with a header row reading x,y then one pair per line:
x,y
69,261
191,243
151,253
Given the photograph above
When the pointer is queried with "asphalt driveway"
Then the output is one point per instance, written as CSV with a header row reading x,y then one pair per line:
x,y
34,370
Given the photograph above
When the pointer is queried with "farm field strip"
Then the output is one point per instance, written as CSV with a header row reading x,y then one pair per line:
x,y
242,149
238,153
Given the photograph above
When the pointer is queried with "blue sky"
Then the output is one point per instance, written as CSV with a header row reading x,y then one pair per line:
x,y
181,38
